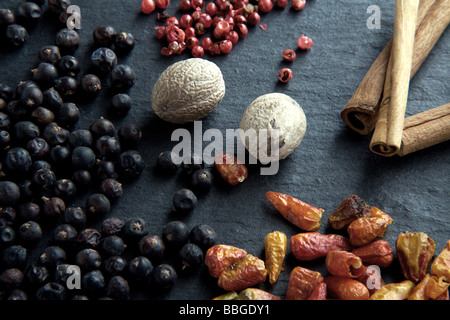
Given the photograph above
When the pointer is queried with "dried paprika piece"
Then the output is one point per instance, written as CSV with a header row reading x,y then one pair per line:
x,y
297,212
364,230
441,265
319,292
344,264
256,294
344,288
436,287
220,257
230,168
378,253
313,245
350,208
394,291
302,283
414,251
246,272
275,244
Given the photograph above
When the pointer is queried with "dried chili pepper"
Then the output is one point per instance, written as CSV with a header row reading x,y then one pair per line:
x,y
319,292
441,265
394,291
344,288
349,209
220,257
275,250
378,253
364,230
313,245
246,272
256,294
233,295
418,293
436,287
302,283
415,251
230,168
344,264
299,213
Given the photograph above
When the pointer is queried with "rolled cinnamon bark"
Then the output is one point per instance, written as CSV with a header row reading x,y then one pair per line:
x,y
426,129
387,137
361,111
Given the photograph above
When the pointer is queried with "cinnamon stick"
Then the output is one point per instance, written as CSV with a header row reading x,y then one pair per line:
x,y
387,136
426,129
361,111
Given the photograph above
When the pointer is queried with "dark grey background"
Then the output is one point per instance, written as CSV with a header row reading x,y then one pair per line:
x,y
331,163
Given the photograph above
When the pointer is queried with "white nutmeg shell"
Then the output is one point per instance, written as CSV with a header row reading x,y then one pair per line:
x,y
188,90
274,111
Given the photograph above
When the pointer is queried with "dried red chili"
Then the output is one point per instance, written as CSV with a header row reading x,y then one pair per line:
x,y
344,264
313,245
349,209
229,167
220,257
377,253
275,244
246,272
319,292
346,288
297,212
302,283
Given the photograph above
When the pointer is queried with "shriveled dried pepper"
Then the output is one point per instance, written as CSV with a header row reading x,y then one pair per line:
x,y
319,292
436,287
256,294
441,265
418,293
364,230
275,244
394,291
414,251
220,257
246,272
230,168
302,283
299,213
345,288
378,253
313,245
344,264
351,208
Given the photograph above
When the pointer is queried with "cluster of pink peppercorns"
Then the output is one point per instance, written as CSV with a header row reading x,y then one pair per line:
x,y
227,20
289,55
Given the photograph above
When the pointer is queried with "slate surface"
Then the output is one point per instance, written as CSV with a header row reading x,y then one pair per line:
x,y
331,163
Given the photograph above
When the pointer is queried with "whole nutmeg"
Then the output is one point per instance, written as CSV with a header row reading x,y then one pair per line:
x,y
268,112
188,90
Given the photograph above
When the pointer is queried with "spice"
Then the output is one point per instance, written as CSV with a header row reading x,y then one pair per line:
x,y
344,264
289,55
220,257
246,272
350,209
313,245
298,5
275,244
394,291
319,292
376,253
364,230
441,265
230,168
297,212
304,42
415,251
345,288
285,75
256,294
302,283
